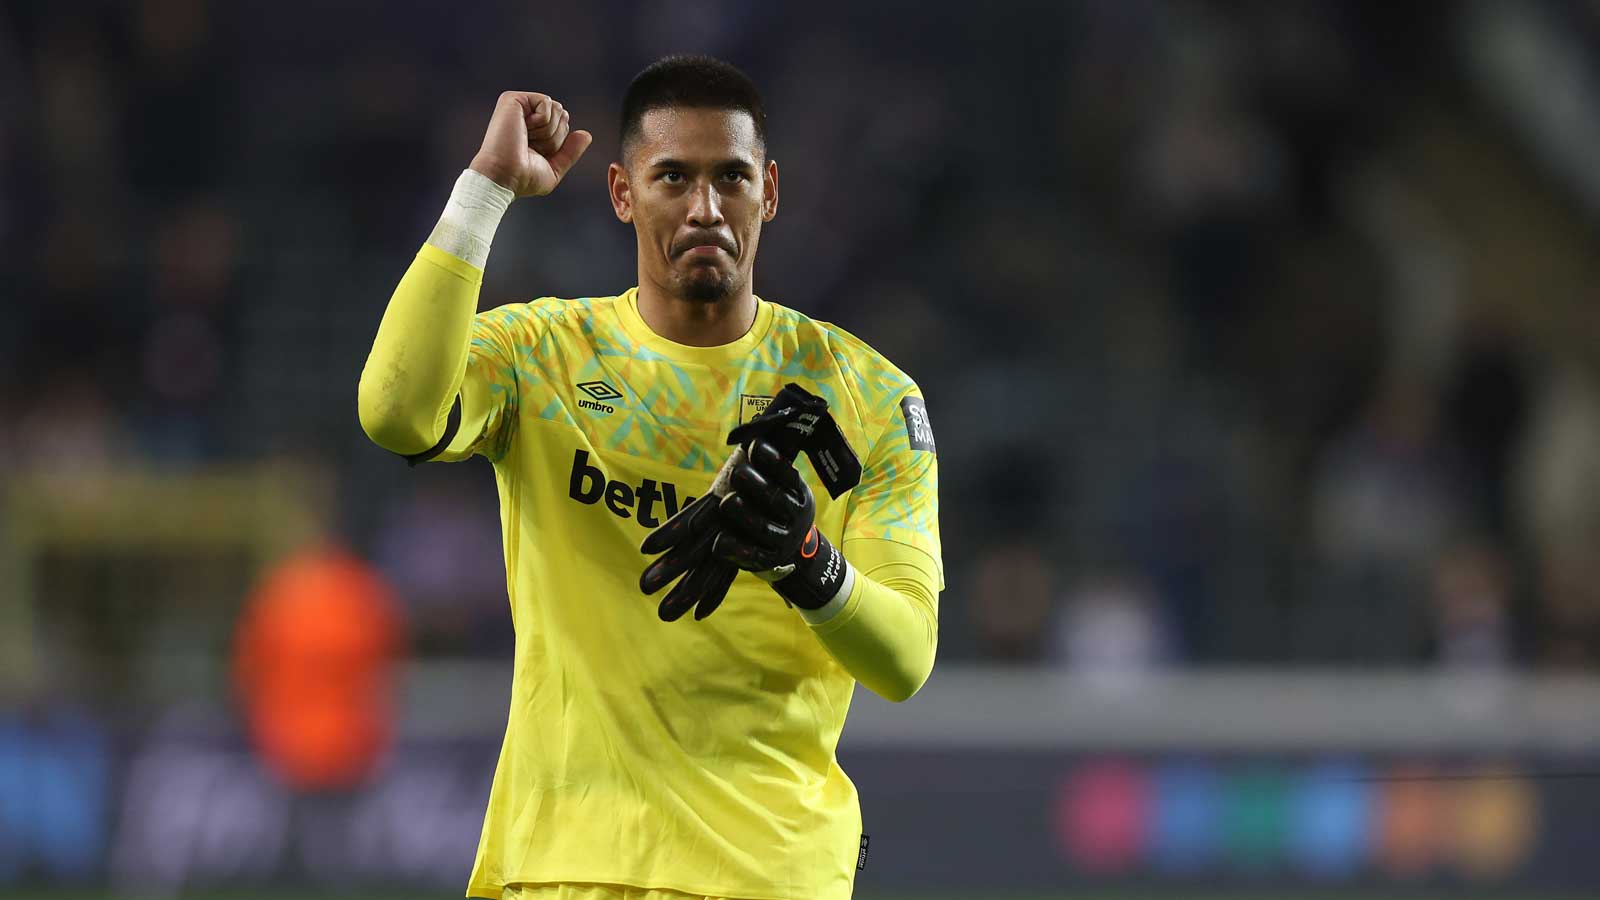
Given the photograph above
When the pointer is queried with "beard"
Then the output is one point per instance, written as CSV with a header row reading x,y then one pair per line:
x,y
707,286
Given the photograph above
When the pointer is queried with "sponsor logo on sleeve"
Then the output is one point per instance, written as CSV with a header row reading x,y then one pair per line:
x,y
918,431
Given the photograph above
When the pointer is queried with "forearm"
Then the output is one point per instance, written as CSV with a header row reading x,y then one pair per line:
x,y
415,369
885,632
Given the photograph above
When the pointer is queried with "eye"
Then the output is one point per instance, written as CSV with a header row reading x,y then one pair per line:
x,y
736,176
672,177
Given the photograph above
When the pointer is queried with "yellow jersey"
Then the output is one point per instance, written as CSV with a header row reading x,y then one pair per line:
x,y
695,756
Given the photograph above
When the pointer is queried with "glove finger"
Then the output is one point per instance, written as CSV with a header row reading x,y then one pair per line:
x,y
669,534
667,567
736,515
675,562
767,459
745,554
673,606
694,519
761,494
681,597
781,504
790,497
694,587
716,590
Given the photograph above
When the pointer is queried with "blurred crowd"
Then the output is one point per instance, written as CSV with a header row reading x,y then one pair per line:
x,y
1208,300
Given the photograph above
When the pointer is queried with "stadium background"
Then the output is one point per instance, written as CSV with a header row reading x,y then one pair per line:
x,y
1260,339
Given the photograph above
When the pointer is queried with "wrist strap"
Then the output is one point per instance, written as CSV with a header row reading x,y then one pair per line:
x,y
835,606
820,572
470,218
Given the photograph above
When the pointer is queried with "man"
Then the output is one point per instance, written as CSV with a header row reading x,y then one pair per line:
x,y
645,758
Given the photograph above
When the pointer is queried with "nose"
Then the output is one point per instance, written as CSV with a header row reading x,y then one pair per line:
x,y
705,209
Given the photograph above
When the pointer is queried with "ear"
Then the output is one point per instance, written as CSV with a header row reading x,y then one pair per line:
x,y
621,192
769,191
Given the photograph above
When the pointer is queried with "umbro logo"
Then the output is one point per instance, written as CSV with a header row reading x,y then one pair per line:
x,y
600,391
602,395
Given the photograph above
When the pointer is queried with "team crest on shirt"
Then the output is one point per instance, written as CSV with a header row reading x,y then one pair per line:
x,y
752,405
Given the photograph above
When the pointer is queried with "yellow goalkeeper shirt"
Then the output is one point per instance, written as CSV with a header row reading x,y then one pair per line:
x,y
692,756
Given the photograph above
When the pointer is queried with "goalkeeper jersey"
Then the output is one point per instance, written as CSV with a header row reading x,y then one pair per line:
x,y
696,756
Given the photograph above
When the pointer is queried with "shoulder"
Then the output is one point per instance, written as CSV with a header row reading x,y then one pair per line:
x,y
874,386
848,352
546,313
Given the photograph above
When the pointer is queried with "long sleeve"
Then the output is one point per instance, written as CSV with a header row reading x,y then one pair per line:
x,y
415,370
436,383
887,632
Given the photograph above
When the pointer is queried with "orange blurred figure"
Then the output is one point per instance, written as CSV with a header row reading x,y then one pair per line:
x,y
314,668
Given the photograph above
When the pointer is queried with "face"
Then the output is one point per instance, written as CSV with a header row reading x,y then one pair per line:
x,y
696,185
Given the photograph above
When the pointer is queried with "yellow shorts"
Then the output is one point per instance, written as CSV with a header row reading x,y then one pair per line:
x,y
593,892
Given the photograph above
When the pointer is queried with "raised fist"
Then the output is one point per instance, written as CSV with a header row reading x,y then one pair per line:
x,y
529,147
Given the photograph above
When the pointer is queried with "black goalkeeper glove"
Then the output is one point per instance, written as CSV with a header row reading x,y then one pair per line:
x,y
687,539
768,527
708,546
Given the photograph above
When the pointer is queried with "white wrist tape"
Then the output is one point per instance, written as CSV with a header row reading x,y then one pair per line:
x,y
470,217
830,609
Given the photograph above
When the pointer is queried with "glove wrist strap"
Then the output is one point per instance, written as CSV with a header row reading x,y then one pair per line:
x,y
835,606
818,578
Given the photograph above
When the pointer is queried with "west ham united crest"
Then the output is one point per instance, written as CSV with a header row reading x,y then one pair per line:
x,y
752,405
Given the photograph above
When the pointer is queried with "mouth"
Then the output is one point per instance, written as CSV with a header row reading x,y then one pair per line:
x,y
705,246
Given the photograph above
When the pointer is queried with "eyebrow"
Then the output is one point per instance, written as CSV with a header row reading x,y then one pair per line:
x,y
724,165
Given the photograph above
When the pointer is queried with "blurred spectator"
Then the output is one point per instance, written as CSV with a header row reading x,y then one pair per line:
x,y
67,427
181,104
79,90
1175,518
1559,459
1487,403
1214,176
1569,581
443,551
314,663
1558,494
185,349
1470,605
1387,496
1012,602
1471,636
1110,631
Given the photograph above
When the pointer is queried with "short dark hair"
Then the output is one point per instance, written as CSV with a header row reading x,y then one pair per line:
x,y
696,82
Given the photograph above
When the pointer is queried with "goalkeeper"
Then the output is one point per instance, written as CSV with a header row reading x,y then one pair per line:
x,y
693,757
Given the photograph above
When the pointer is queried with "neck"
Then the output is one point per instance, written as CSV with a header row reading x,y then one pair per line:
x,y
697,323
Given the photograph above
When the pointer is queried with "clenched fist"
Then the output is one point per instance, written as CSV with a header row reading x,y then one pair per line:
x,y
528,147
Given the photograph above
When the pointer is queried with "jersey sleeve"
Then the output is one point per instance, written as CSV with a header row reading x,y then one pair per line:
x,y
492,386
898,497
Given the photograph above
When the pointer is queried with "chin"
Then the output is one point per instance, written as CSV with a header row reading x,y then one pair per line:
x,y
699,287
